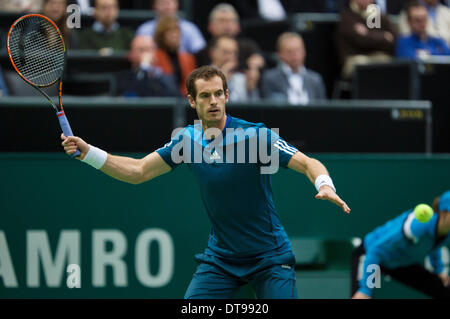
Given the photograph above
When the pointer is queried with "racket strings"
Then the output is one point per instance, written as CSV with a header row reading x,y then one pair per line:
x,y
37,50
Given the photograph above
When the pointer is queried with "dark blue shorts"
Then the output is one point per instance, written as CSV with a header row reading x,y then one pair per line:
x,y
270,277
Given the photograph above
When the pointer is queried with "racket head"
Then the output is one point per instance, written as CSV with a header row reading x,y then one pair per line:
x,y
36,49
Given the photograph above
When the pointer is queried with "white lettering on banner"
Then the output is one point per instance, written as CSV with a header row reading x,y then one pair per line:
x,y
109,248
166,258
39,252
114,258
6,265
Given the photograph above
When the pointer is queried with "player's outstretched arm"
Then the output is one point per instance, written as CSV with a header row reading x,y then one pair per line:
x,y
126,169
316,171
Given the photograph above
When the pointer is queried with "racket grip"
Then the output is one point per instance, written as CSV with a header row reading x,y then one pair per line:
x,y
65,126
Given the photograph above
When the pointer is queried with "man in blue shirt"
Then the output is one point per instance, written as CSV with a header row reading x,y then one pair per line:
x,y
399,248
419,44
232,160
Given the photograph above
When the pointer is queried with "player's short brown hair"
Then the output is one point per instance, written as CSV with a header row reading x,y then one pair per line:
x,y
205,72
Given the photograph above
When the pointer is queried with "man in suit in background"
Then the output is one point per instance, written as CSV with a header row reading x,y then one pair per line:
x,y
290,81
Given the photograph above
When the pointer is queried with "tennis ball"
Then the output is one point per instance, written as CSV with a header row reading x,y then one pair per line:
x,y
423,213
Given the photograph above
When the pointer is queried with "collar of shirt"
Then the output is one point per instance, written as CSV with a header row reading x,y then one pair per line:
x,y
100,28
296,92
289,72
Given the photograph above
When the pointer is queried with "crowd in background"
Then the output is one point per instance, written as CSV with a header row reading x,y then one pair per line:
x,y
164,50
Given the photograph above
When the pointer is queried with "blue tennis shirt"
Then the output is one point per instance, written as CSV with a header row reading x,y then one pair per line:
x,y
235,191
401,242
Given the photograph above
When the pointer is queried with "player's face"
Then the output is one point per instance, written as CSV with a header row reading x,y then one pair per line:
x,y
210,101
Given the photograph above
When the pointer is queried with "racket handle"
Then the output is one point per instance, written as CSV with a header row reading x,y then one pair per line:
x,y
65,126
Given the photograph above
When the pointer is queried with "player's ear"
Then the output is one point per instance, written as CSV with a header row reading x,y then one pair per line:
x,y
191,101
227,95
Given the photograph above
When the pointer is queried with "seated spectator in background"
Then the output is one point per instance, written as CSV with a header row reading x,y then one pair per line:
x,y
438,20
20,6
223,20
56,10
168,55
144,79
246,82
85,6
3,87
290,81
359,44
419,44
224,55
105,34
192,39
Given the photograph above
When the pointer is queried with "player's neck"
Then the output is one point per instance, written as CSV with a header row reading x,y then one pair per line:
x,y
219,124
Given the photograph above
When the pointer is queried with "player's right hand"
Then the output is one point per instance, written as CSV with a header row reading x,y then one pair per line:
x,y
72,143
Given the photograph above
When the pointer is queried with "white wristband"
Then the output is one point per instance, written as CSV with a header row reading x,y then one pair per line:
x,y
324,180
95,157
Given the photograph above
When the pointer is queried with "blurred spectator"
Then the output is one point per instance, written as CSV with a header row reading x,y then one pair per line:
x,y
3,87
191,37
270,10
322,6
359,44
224,20
438,20
224,55
20,6
168,55
290,81
419,44
246,83
386,6
106,33
85,5
56,10
144,79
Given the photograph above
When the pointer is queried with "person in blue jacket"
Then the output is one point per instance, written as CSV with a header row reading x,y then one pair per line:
x,y
419,44
399,247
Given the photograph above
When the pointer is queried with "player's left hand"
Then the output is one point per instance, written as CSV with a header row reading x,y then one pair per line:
x,y
327,193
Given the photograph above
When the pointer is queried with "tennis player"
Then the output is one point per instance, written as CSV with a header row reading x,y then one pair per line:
x,y
247,243
400,247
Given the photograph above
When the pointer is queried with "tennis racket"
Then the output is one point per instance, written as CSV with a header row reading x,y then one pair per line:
x,y
37,52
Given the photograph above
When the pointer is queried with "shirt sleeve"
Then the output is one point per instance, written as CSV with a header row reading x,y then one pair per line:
x,y
172,152
414,230
193,38
276,147
436,261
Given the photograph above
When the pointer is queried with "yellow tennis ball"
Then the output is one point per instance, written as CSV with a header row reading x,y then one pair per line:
x,y
423,213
